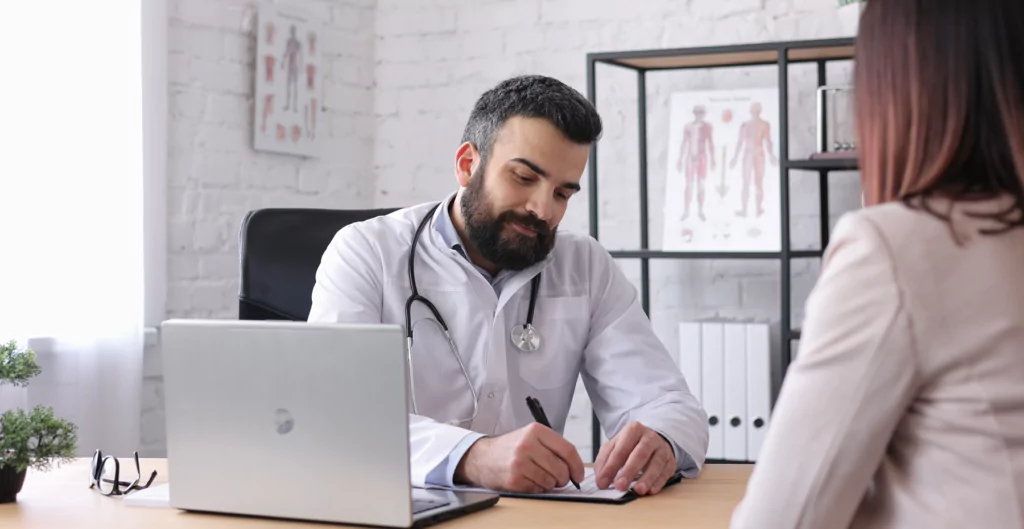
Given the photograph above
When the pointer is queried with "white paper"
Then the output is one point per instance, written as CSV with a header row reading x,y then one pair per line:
x,y
154,496
588,489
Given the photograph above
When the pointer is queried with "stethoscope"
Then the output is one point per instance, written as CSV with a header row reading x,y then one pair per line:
x,y
525,337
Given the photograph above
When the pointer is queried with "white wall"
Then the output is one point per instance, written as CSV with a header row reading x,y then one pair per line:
x,y
214,175
434,59
403,78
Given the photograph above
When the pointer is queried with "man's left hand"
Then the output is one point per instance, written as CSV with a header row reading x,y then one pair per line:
x,y
636,448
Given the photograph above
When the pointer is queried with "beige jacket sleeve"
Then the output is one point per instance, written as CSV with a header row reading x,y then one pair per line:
x,y
844,394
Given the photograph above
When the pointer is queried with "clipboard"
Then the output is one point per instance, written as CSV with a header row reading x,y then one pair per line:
x,y
589,494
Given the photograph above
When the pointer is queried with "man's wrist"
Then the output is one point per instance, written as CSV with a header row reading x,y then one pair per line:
x,y
462,470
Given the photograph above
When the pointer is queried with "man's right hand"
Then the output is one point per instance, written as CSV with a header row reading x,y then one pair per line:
x,y
532,459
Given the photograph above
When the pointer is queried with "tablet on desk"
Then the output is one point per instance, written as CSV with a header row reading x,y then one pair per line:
x,y
588,491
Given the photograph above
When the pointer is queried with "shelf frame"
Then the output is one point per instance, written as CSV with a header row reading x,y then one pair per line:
x,y
756,54
780,54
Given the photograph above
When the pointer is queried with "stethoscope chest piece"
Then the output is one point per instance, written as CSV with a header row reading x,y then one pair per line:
x,y
526,337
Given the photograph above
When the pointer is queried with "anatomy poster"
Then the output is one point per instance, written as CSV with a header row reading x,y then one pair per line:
x,y
722,188
288,83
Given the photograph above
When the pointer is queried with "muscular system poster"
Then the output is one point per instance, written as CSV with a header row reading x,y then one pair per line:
x,y
289,78
722,187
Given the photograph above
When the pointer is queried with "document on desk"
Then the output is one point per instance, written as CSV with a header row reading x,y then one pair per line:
x,y
155,496
589,492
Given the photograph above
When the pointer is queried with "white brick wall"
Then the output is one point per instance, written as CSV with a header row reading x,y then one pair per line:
x,y
215,176
420,65
434,59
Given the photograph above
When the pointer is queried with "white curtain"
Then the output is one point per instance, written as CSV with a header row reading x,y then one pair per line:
x,y
71,210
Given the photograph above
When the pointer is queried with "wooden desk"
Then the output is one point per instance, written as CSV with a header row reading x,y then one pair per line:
x,y
62,498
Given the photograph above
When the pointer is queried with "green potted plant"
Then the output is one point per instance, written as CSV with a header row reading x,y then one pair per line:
x,y
36,439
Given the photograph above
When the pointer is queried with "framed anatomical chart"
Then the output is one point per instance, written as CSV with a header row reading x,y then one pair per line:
x,y
722,187
289,83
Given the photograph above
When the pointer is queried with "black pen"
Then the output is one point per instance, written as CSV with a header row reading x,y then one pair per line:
x,y
538,415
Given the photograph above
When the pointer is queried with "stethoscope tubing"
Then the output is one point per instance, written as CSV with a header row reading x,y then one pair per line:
x,y
439,320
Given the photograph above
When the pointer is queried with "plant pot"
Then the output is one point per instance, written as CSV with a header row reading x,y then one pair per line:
x,y
10,484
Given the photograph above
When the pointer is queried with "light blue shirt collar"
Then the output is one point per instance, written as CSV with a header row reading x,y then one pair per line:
x,y
446,229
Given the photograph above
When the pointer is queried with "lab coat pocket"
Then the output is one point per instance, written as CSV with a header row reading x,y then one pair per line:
x,y
563,324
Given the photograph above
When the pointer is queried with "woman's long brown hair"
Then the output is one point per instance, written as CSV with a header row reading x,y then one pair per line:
x,y
939,88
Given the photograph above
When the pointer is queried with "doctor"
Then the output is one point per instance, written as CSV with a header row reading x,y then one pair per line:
x,y
528,309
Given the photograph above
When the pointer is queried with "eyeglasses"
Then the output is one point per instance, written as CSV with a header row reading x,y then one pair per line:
x,y
106,476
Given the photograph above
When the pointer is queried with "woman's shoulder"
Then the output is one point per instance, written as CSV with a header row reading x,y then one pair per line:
x,y
894,224
890,219
936,224
927,244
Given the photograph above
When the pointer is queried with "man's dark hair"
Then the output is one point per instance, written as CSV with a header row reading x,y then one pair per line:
x,y
531,96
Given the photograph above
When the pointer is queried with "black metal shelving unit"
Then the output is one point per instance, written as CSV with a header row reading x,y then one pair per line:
x,y
782,54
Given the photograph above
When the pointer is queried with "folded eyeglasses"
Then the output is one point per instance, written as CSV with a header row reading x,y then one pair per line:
x,y
106,476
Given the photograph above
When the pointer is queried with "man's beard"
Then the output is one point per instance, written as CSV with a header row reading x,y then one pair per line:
x,y
515,250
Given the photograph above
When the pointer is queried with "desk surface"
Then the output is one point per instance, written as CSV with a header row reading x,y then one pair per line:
x,y
62,498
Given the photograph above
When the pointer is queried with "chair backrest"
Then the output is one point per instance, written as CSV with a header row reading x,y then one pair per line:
x,y
280,250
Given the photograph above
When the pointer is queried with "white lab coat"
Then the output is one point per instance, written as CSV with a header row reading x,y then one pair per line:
x,y
587,313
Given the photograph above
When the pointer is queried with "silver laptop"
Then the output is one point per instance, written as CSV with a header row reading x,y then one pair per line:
x,y
295,420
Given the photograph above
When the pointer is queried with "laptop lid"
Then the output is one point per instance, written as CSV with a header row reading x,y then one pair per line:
x,y
288,419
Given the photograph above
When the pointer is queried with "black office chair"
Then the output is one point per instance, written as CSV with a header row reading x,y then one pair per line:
x,y
280,250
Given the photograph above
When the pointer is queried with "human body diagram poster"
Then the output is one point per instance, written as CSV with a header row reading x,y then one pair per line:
x,y
288,84
722,187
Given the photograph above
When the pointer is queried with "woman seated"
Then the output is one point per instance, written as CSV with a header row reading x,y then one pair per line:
x,y
905,404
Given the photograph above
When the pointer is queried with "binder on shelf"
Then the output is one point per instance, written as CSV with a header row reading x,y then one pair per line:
x,y
690,356
759,386
735,390
712,386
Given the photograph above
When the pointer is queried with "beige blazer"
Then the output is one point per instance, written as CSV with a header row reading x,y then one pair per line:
x,y
905,404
